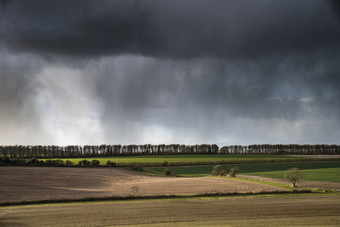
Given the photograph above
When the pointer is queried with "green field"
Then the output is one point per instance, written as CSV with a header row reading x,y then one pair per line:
x,y
318,171
197,158
324,174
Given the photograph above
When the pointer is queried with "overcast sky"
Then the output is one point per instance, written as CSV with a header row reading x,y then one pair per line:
x,y
188,72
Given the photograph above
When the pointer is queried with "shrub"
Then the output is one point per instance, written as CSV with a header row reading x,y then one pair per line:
x,y
137,168
19,162
233,171
222,173
84,162
167,172
293,175
59,162
34,161
174,174
95,162
6,160
218,171
110,163
165,163
69,163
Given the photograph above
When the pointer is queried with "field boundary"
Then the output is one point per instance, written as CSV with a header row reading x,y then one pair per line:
x,y
22,162
130,198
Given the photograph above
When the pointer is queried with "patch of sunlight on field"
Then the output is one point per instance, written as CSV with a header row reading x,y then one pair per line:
x,y
324,174
181,158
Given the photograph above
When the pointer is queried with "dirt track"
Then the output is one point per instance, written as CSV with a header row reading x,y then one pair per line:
x,y
51,183
235,211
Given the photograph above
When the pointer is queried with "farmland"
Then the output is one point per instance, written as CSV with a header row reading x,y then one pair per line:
x,y
56,183
317,171
133,197
228,211
31,184
178,159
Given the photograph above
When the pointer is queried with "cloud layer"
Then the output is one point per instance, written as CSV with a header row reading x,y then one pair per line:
x,y
225,72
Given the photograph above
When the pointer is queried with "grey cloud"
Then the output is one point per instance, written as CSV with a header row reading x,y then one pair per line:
x,y
4,3
335,6
16,96
179,94
133,99
172,29
45,103
226,72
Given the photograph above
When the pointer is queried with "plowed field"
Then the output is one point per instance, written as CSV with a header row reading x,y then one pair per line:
x,y
235,211
53,183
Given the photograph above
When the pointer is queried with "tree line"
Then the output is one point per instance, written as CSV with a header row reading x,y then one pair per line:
x,y
20,151
39,151
281,149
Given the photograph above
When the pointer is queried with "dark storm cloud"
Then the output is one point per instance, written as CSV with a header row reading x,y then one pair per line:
x,y
4,3
16,96
227,72
256,89
237,98
172,29
336,6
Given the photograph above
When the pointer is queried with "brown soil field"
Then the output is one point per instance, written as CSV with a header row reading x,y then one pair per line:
x,y
226,211
52,183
